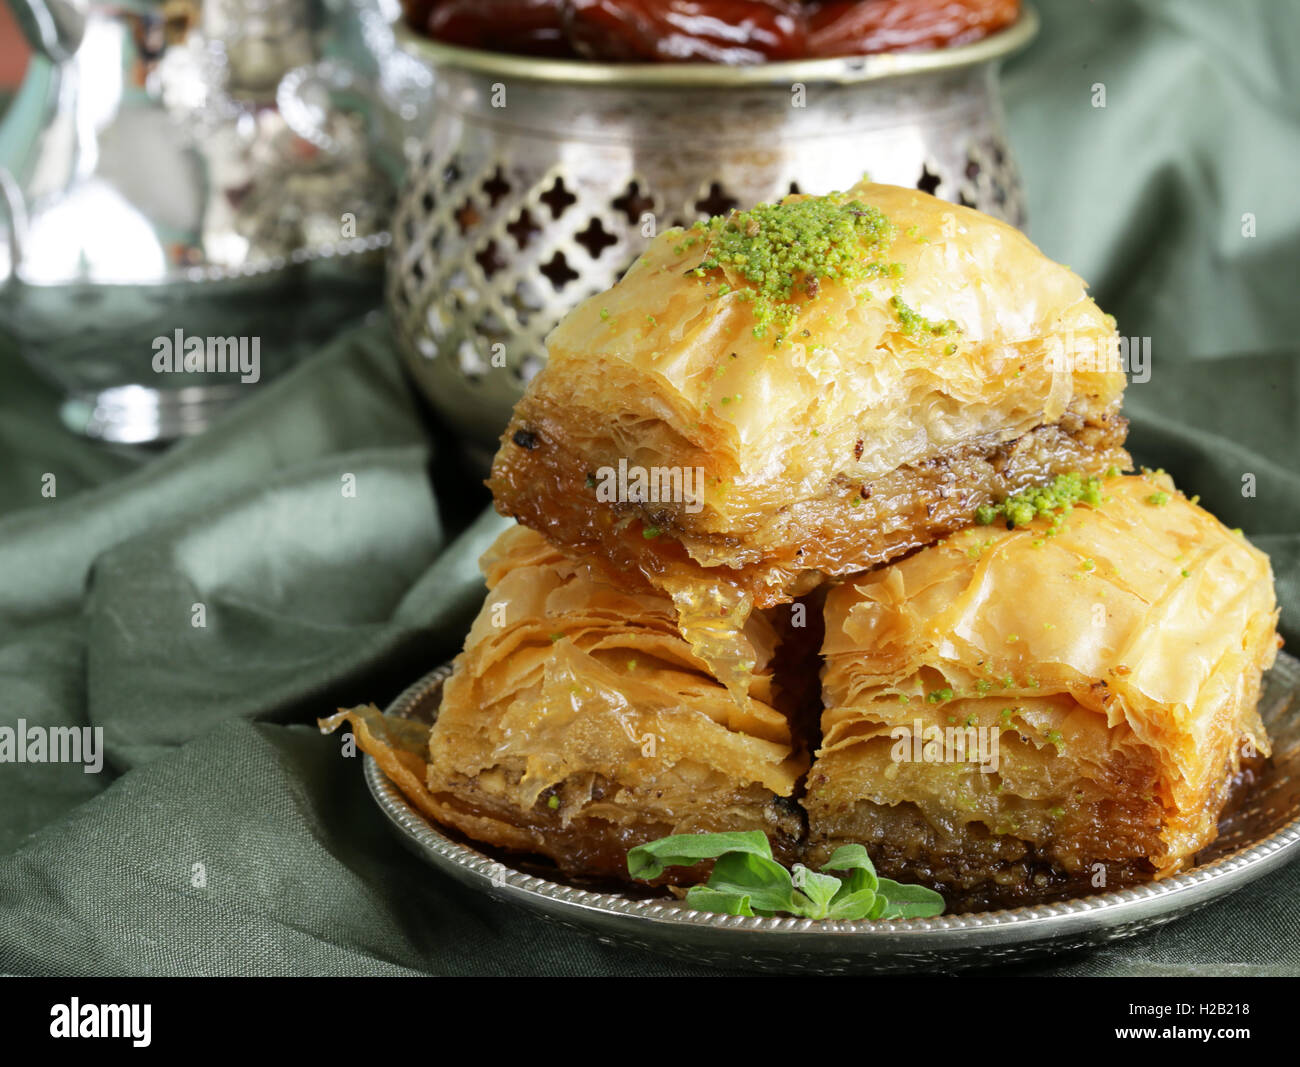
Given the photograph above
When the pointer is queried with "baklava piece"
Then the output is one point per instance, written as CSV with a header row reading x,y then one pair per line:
x,y
578,723
808,389
1045,709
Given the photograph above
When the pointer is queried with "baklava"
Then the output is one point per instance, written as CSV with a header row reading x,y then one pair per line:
x,y
578,723
1052,703
808,389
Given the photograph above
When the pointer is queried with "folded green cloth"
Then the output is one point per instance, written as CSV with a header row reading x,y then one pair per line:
x,y
226,835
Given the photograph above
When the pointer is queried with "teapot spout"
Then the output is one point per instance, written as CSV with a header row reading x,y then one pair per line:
x,y
52,27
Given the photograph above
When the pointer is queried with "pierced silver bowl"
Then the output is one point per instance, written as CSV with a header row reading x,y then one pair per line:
x,y
541,180
1259,834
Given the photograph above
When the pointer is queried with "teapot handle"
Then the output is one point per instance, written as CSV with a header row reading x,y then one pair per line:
x,y
53,28
303,98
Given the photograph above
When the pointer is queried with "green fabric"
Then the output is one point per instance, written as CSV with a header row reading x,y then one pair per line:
x,y
314,598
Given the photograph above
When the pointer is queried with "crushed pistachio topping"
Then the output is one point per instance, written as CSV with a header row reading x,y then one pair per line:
x,y
916,325
784,252
1053,502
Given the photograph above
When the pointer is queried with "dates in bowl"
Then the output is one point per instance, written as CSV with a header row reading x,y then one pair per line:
x,y
731,32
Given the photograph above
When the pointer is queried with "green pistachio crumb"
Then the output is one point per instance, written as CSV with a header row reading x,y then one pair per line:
x,y
783,253
1053,502
915,324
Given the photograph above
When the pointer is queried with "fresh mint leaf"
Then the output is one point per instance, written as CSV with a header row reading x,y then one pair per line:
x,y
817,890
766,882
746,880
851,906
909,901
862,872
703,898
850,857
684,850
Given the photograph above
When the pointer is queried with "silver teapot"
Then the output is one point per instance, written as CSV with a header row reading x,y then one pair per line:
x,y
189,169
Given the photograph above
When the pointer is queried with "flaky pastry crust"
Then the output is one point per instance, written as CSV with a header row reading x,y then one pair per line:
x,y
578,723
1118,661
968,367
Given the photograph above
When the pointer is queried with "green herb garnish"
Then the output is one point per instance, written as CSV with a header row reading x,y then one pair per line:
x,y
746,880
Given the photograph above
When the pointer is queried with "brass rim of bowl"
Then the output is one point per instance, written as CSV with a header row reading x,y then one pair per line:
x,y
844,70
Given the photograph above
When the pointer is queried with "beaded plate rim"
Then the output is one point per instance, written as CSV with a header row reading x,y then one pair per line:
x,y
1134,907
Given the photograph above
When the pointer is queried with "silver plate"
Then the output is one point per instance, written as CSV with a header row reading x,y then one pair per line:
x,y
1256,837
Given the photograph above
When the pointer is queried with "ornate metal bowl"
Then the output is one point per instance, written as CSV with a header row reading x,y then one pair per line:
x,y
1258,835
540,181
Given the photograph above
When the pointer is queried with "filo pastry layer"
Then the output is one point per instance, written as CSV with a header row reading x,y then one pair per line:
x,y
578,723
956,367
1116,663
